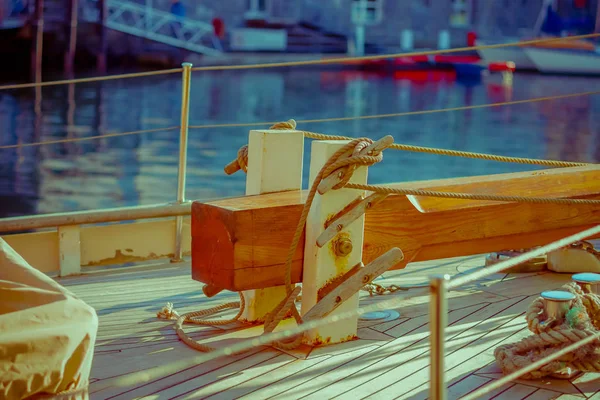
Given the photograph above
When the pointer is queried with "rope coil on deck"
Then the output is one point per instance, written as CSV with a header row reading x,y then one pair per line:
x,y
581,321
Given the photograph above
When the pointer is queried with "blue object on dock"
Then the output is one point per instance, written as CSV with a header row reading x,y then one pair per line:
x,y
586,277
468,70
558,295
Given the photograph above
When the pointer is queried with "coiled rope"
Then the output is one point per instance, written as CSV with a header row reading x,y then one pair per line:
x,y
582,321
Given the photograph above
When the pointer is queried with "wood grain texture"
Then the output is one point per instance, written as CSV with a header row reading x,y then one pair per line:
x,y
242,243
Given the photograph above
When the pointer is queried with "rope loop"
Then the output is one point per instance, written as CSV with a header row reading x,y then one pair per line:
x,y
242,158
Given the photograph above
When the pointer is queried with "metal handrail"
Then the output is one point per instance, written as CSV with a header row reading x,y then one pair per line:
x,y
54,220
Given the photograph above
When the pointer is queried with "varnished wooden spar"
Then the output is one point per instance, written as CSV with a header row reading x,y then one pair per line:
x,y
242,243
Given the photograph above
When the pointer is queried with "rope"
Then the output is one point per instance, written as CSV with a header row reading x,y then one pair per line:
x,y
469,196
458,153
510,378
91,79
160,371
314,135
538,322
345,166
242,156
581,321
168,312
402,114
375,288
338,60
83,139
336,162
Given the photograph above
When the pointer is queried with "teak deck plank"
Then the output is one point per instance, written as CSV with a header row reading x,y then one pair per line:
x,y
544,394
409,370
389,361
242,243
411,343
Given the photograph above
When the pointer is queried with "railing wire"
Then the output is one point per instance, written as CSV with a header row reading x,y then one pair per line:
x,y
318,120
338,60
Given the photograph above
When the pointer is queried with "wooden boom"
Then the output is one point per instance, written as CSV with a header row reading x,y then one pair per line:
x,y
242,243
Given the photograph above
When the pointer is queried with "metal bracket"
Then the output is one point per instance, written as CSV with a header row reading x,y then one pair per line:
x,y
347,216
351,282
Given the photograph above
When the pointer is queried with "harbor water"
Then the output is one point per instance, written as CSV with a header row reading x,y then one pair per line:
x,y
141,169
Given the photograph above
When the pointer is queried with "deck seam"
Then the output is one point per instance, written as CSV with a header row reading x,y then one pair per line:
x,y
394,353
425,351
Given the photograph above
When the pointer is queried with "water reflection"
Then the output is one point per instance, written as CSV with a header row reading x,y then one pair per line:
x,y
142,169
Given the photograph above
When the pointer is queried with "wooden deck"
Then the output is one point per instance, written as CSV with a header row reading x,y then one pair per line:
x,y
389,361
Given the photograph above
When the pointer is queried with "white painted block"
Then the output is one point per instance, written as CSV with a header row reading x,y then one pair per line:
x,y
275,163
69,245
321,265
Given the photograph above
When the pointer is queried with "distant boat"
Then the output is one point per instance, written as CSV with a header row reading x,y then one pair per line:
x,y
574,60
562,56
515,54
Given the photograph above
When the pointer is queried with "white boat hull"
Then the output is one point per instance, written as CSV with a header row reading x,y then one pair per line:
x,y
514,54
559,61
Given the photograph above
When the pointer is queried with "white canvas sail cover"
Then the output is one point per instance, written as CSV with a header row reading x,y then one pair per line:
x,y
47,334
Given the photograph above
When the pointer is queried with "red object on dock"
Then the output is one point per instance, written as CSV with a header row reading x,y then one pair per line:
x,y
502,66
471,38
451,59
219,27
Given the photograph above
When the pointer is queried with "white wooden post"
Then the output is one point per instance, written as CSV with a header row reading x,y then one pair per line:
x,y
344,251
69,246
275,161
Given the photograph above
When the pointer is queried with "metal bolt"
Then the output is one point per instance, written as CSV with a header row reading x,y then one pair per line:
x,y
366,279
343,247
340,227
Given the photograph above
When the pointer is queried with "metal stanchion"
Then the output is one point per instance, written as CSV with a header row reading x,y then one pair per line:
x,y
438,317
183,142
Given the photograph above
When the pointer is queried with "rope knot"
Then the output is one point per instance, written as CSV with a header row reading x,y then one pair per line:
x,y
346,160
168,312
241,160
